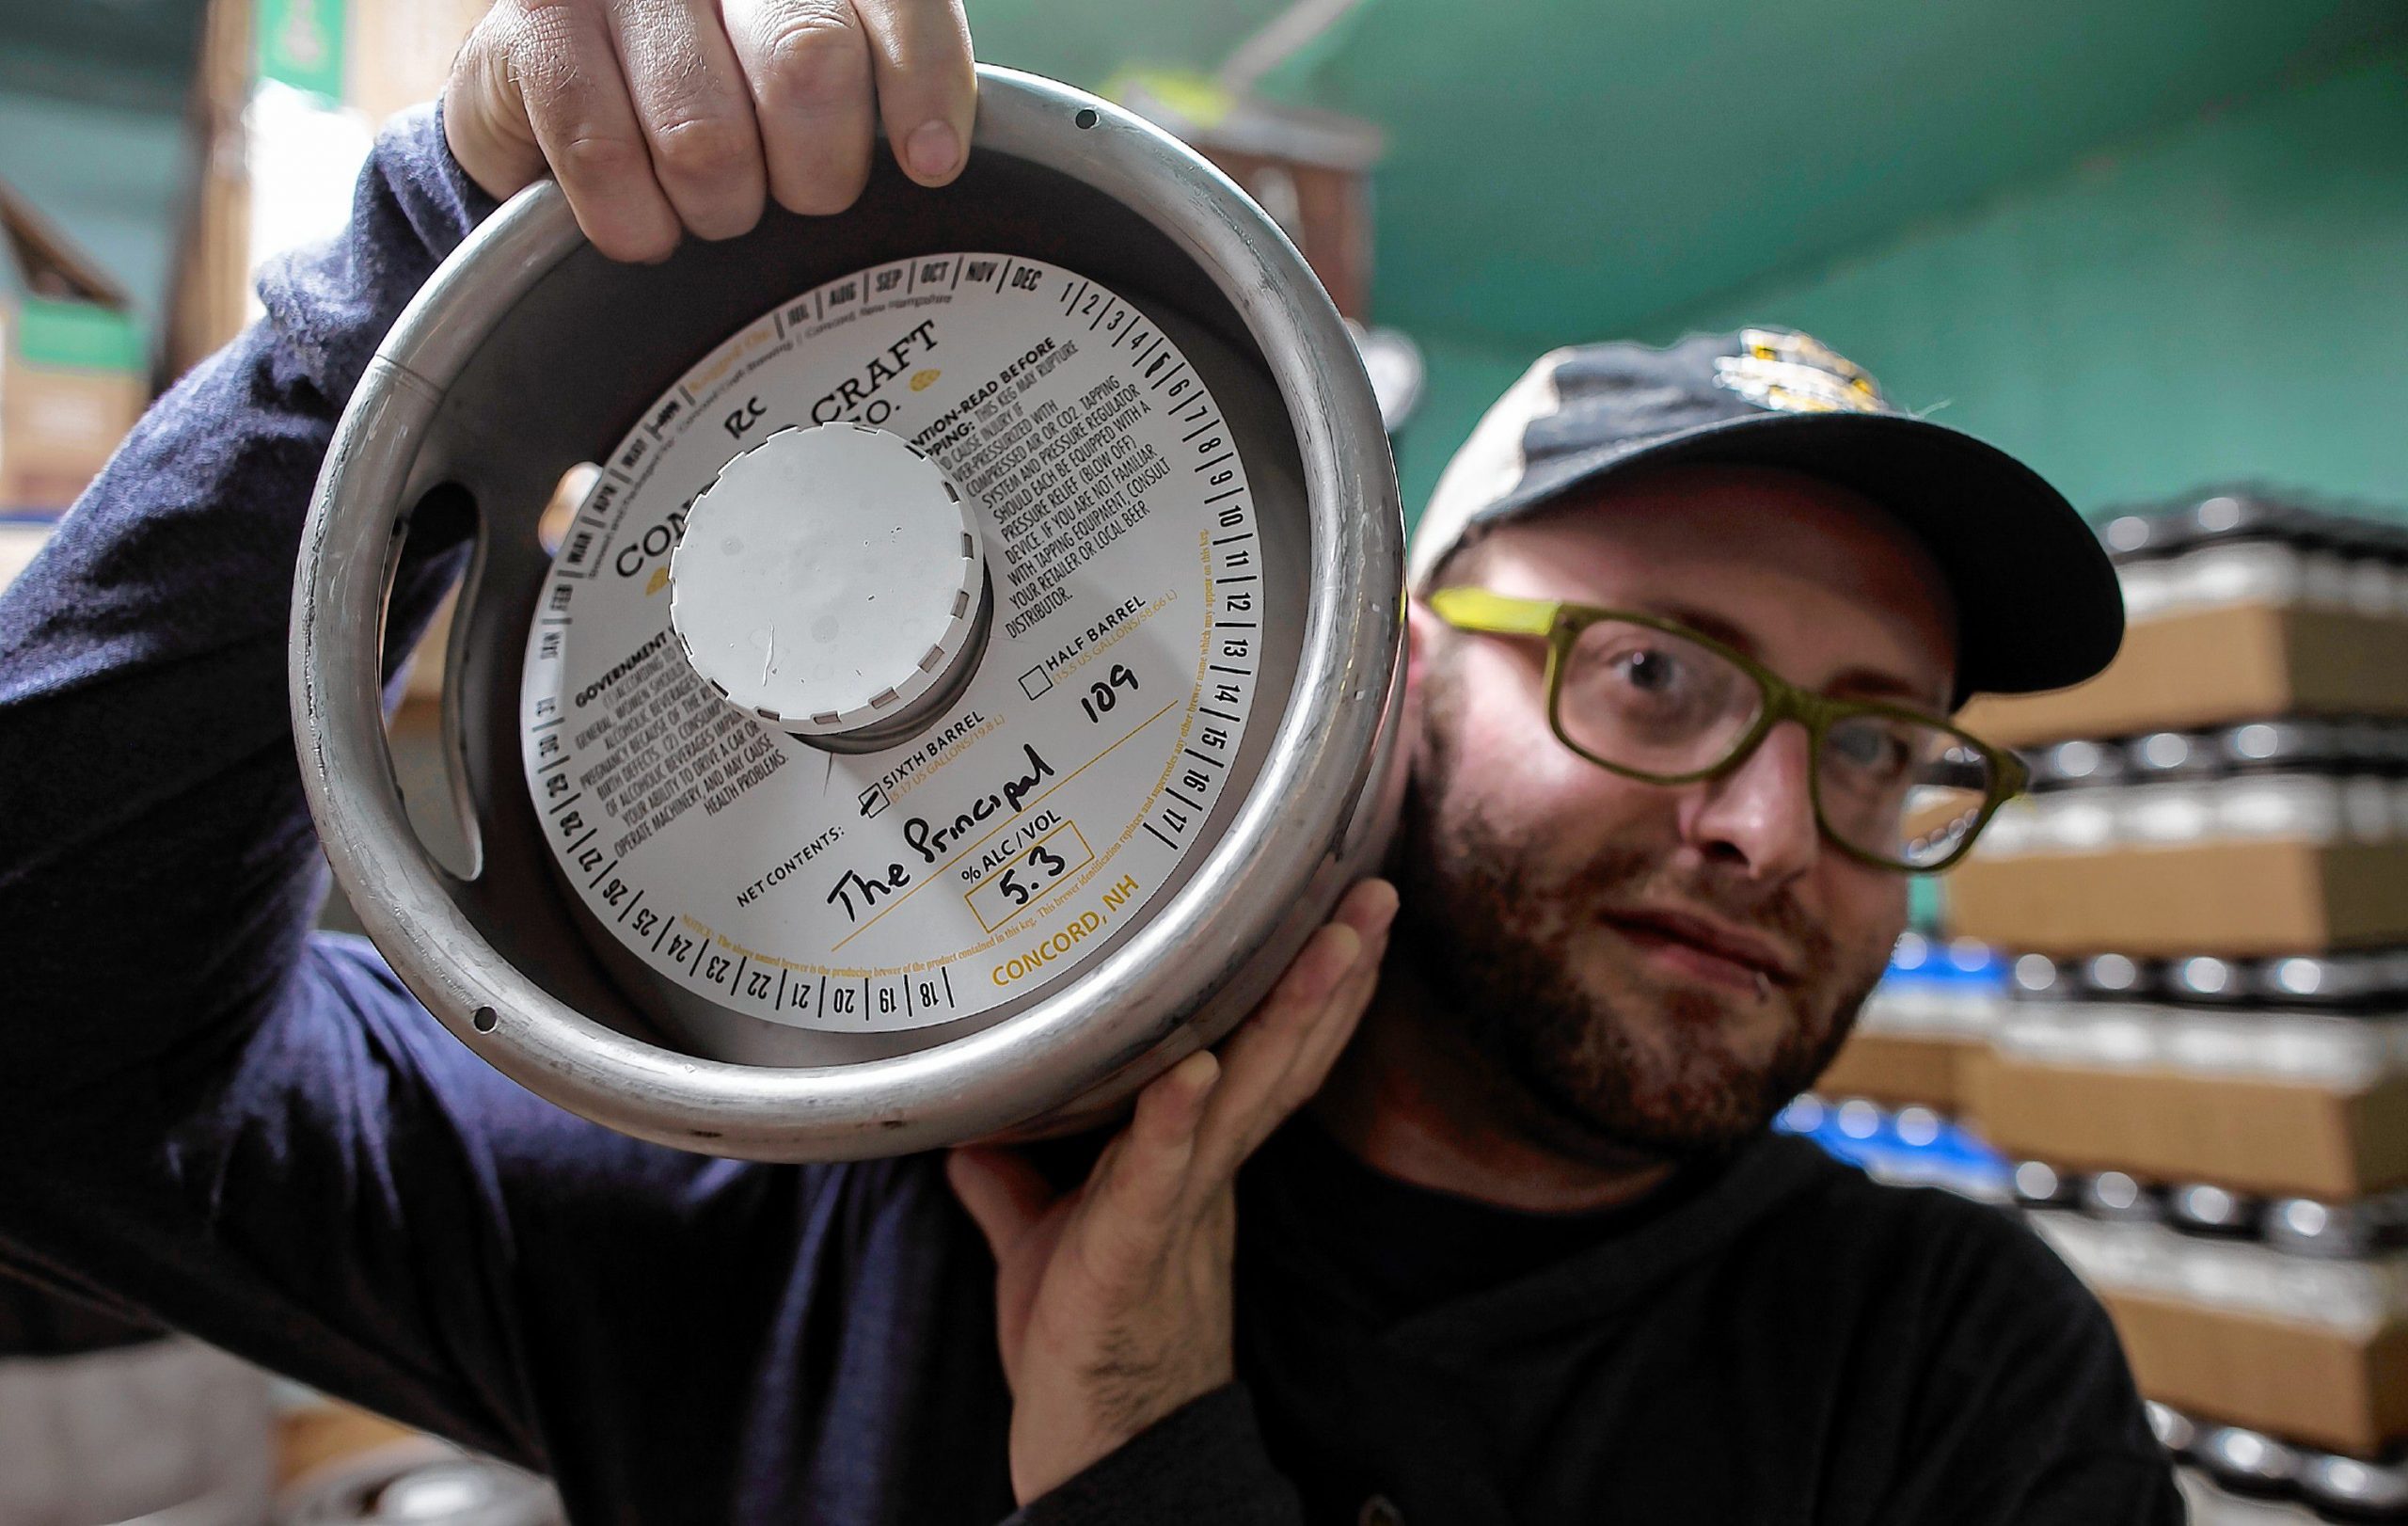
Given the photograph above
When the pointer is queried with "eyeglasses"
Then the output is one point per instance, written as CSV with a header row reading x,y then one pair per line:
x,y
1651,699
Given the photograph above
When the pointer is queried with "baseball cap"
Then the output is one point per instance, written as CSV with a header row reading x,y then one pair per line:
x,y
2037,604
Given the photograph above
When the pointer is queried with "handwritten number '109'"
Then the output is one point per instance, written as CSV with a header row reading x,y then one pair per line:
x,y
1100,696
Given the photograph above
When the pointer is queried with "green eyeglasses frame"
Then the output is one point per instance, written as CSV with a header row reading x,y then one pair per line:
x,y
1559,624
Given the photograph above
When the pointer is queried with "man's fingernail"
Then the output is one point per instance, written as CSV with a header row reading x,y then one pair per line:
x,y
1379,907
932,149
1202,1071
1354,955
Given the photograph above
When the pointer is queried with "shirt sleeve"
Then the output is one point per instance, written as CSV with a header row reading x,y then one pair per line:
x,y
210,1115
1203,1464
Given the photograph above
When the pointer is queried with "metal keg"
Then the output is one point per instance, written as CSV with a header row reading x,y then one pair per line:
x,y
967,674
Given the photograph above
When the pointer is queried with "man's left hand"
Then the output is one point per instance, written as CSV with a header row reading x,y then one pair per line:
x,y
1114,1302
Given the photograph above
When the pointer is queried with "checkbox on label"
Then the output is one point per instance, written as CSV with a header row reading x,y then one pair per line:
x,y
1035,681
874,800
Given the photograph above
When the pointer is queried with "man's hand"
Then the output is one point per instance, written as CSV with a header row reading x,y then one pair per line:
x,y
667,116
1114,1302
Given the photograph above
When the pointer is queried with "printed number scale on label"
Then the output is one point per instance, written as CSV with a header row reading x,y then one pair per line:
x,y
969,865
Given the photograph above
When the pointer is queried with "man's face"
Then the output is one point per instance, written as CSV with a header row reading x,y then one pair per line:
x,y
1582,927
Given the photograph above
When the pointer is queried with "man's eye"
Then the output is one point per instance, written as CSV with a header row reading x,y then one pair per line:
x,y
1872,750
1648,670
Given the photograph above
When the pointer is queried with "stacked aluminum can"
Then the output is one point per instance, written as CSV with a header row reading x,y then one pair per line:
x,y
2212,1130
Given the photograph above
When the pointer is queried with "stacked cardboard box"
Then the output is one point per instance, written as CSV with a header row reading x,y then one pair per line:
x,y
2203,1063
74,375
2220,787
2265,1329
1309,169
74,369
1923,1026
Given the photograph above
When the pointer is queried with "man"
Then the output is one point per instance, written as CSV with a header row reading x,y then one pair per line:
x,y
1531,1257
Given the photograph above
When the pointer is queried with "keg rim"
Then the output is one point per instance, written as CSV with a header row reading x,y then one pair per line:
x,y
1127,1018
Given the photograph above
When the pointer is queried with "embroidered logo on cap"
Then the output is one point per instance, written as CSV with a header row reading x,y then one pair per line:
x,y
1797,373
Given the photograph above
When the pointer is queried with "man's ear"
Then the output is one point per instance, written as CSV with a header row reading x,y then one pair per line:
x,y
1422,632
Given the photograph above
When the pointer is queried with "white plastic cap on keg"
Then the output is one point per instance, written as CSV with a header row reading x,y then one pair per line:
x,y
828,577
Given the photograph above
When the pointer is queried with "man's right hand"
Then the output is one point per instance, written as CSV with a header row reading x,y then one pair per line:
x,y
1114,1302
666,116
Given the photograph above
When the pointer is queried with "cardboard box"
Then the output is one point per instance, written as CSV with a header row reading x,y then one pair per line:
x,y
2325,1387
22,536
58,425
2273,1137
291,92
2215,667
398,53
1308,168
75,374
373,55
321,1432
1902,1070
2242,898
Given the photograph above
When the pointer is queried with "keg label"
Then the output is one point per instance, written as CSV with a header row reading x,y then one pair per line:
x,y
974,864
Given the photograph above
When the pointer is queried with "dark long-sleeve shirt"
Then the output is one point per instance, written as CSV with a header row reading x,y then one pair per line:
x,y
212,1116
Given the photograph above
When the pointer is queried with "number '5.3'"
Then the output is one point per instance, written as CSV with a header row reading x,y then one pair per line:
x,y
1045,867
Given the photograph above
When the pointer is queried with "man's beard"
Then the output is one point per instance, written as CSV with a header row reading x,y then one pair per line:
x,y
1492,939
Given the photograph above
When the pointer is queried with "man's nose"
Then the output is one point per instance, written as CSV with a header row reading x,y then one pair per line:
x,y
1760,815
